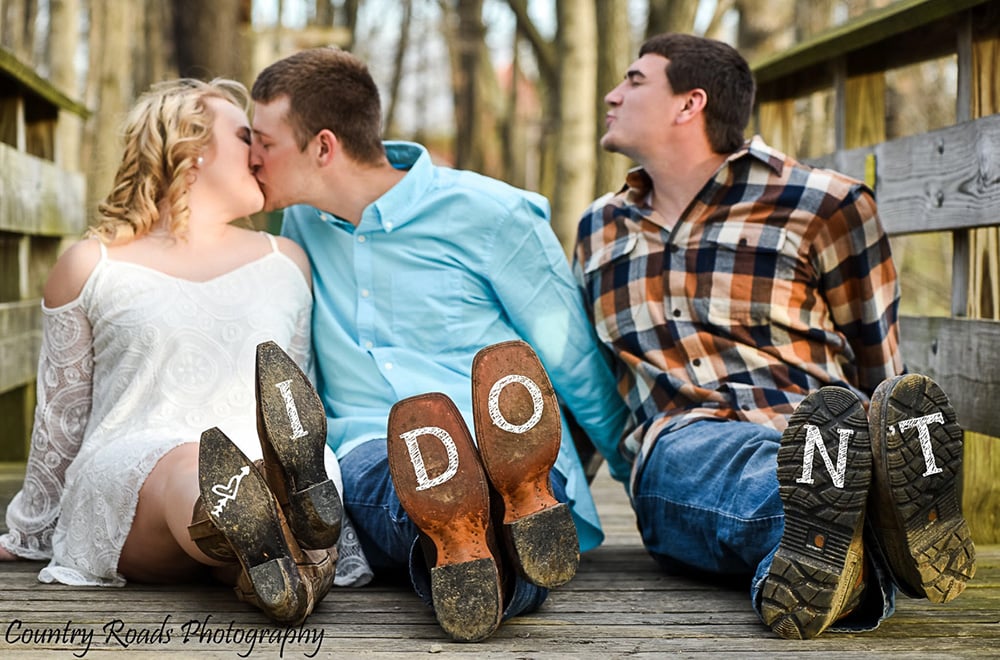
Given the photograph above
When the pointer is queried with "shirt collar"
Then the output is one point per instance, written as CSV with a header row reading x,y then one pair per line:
x,y
757,149
638,185
391,210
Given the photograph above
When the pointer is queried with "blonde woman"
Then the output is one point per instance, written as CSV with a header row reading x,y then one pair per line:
x,y
158,326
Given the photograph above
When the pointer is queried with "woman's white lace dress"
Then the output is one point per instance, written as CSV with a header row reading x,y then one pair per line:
x,y
138,364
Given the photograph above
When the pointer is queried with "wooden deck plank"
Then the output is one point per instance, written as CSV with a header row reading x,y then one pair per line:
x,y
619,605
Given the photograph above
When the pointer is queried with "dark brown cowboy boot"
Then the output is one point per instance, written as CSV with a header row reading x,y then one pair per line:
x,y
824,473
243,523
291,425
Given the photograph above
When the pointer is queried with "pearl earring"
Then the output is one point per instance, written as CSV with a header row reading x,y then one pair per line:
x,y
200,161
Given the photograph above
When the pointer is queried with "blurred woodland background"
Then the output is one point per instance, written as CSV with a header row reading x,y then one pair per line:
x,y
511,88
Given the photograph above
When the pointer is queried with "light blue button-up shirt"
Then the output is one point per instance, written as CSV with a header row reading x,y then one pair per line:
x,y
446,263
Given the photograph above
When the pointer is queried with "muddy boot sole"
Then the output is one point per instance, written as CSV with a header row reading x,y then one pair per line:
x,y
440,482
816,570
915,502
241,506
291,423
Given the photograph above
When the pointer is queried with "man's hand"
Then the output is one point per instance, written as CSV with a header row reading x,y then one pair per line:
x,y
6,556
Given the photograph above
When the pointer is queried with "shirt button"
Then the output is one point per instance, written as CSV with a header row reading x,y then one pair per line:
x,y
361,239
388,225
388,365
368,344
677,312
696,362
364,293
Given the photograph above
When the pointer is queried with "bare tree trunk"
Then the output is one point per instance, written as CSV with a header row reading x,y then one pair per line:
x,y
156,60
614,52
207,38
323,13
469,41
17,28
397,67
64,39
351,21
576,158
670,16
109,91
766,26
512,131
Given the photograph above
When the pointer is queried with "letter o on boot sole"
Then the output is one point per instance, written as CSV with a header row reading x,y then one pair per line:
x,y
518,430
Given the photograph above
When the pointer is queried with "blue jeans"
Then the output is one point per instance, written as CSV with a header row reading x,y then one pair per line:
x,y
390,539
707,499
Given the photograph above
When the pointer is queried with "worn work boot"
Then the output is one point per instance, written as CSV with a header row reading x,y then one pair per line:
x,y
824,473
237,519
518,432
291,424
440,483
915,503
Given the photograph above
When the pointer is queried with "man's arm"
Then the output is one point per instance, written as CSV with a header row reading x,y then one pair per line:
x,y
532,279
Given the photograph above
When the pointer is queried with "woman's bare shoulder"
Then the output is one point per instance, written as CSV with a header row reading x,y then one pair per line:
x,y
70,273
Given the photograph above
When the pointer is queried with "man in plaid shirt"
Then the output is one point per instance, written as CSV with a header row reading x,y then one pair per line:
x,y
750,306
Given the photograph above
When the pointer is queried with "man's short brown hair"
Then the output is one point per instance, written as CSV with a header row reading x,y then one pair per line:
x,y
327,88
717,68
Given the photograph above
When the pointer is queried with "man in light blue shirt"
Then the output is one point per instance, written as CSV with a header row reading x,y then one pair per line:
x,y
416,268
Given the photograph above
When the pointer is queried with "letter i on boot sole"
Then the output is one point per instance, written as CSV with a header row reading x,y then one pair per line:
x,y
291,424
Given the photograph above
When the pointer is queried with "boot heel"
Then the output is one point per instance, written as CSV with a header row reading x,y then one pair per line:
x,y
240,505
539,545
317,507
467,603
271,581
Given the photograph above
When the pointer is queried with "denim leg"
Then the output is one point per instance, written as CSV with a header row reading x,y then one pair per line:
x,y
384,529
707,498
391,540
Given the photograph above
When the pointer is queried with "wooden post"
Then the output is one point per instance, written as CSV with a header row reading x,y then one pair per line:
x,y
41,204
979,40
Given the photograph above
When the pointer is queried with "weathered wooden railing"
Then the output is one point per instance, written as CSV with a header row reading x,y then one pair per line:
x,y
42,201
945,181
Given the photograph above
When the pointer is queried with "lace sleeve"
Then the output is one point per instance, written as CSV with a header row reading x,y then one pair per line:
x,y
65,369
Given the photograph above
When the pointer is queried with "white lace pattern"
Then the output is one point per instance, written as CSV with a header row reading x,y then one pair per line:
x,y
138,364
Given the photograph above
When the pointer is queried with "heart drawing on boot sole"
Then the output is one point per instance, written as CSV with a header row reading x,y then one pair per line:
x,y
229,491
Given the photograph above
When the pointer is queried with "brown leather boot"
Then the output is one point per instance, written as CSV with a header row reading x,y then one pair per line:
x,y
291,425
441,485
518,430
243,523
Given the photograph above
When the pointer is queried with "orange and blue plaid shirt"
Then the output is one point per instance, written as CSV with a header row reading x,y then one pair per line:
x,y
776,280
